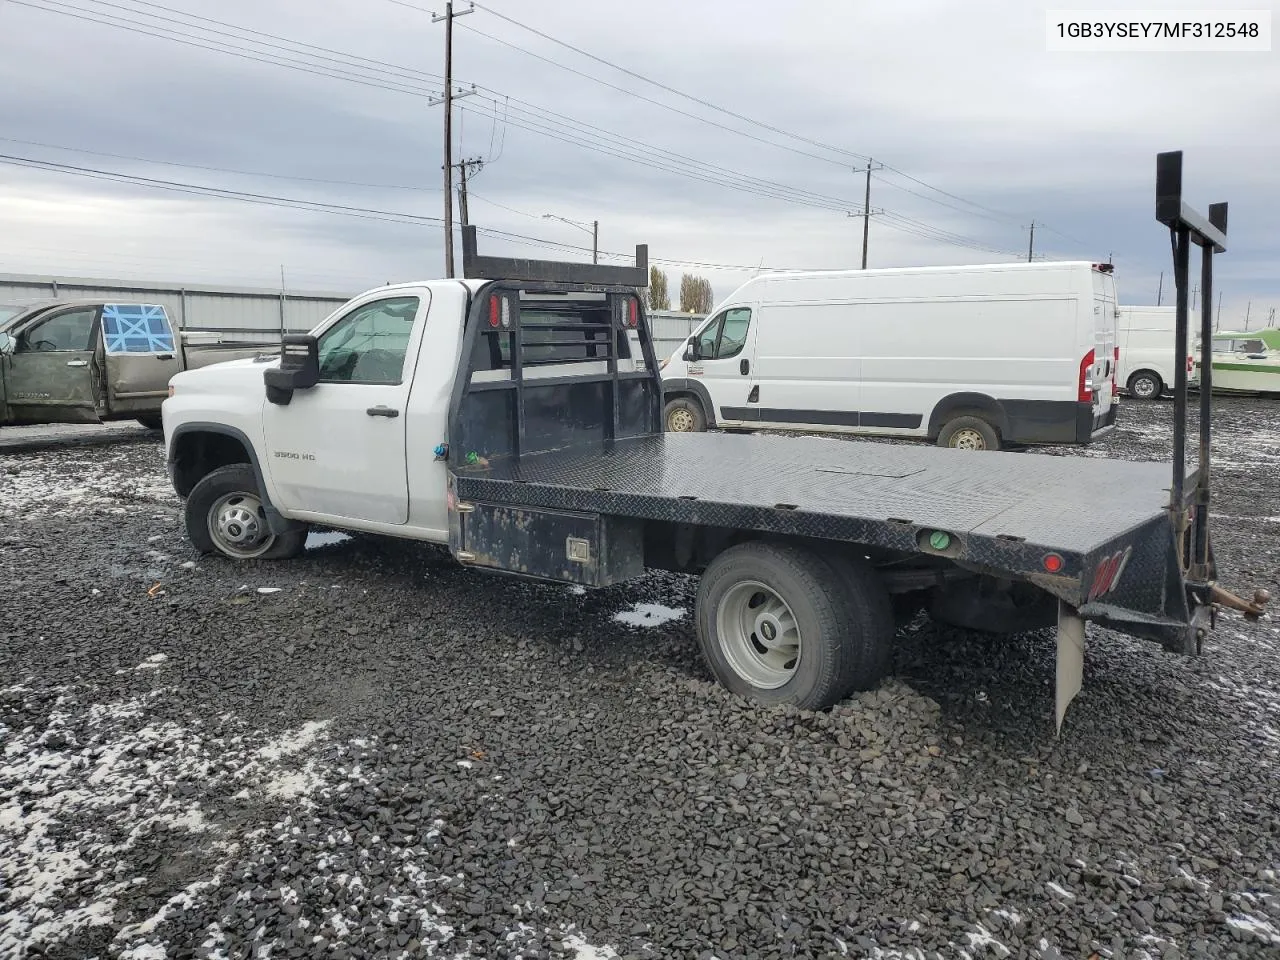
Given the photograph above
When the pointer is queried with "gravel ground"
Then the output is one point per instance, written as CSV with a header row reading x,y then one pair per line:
x,y
370,752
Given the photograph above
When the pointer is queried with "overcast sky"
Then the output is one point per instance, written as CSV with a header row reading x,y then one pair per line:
x,y
961,96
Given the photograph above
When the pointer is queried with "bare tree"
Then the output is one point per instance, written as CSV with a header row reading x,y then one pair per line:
x,y
659,296
695,294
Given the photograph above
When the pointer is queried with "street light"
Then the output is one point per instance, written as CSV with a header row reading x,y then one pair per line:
x,y
594,230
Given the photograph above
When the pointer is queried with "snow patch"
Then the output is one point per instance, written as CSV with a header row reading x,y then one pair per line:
x,y
649,615
1059,891
325,538
1256,927
265,590
152,662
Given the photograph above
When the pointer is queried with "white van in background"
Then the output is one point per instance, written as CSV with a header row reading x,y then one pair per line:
x,y
976,357
1148,363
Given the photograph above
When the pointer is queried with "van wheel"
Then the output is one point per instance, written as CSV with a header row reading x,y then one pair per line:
x,y
683,415
1146,385
969,433
780,625
225,514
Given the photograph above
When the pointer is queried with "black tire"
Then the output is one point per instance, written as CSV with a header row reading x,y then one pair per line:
x,y
1145,385
873,616
227,482
841,621
962,431
151,421
687,412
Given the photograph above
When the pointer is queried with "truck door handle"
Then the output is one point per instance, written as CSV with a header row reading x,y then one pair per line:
x,y
164,356
77,363
745,367
382,412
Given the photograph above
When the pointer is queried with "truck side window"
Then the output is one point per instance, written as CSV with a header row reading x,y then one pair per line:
x,y
369,344
70,330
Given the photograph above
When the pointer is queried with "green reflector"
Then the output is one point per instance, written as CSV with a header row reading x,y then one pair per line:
x,y
939,540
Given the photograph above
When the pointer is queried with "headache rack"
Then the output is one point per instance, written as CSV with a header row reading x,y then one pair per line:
x,y
535,315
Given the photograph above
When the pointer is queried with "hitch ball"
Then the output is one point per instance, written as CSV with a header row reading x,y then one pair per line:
x,y
1261,597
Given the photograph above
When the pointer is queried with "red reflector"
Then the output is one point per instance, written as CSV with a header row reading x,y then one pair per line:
x,y
1086,378
494,308
1191,363
633,312
1052,562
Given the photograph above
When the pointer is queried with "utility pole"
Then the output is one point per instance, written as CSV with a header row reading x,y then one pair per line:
x,y
447,99
1031,244
1246,315
1194,291
462,166
1160,289
1218,323
866,207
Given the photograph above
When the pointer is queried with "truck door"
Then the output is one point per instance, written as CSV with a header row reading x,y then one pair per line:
x,y
53,375
725,352
338,449
140,355
1105,325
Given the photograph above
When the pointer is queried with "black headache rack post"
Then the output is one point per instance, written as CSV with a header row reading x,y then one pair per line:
x,y
1188,227
531,381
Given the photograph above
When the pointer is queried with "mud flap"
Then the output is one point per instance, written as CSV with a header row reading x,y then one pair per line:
x,y
1070,668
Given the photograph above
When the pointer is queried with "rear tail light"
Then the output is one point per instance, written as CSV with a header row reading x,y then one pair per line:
x,y
633,313
495,310
1115,367
1086,378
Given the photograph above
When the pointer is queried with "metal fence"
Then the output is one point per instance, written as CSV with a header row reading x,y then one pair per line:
x,y
242,313
671,328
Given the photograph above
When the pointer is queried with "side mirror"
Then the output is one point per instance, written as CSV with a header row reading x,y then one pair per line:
x,y
7,344
299,368
691,351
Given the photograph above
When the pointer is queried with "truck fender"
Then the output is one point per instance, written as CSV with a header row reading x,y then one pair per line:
x,y
676,386
278,523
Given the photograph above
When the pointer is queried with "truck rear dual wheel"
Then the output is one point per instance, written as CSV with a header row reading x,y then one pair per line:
x,y
225,514
779,624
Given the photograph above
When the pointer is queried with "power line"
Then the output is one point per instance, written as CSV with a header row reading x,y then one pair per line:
x,y
724,110
543,122
650,100
669,89
231,170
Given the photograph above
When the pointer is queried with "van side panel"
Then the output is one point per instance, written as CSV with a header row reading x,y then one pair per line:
x,y
807,369
919,354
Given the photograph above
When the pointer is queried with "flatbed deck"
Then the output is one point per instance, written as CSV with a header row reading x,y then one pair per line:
x,y
835,488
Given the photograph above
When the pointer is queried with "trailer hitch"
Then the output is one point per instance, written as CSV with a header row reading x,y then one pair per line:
x,y
1251,611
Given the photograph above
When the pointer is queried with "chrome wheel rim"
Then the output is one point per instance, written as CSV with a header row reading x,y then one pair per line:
x,y
680,420
238,526
1144,387
758,635
968,438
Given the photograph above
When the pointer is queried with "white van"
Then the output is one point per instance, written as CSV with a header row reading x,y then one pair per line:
x,y
976,357
1148,364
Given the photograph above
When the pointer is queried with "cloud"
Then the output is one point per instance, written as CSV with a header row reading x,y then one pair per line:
x,y
963,97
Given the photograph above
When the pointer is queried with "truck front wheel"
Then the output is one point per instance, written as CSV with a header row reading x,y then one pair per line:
x,y
225,514
777,624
